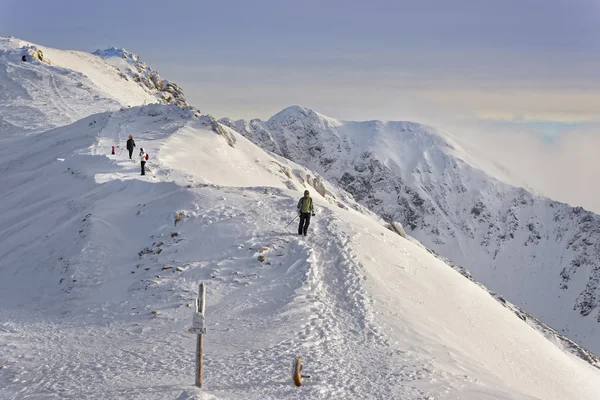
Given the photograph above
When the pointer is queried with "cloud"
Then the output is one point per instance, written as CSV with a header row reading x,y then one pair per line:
x,y
558,105
556,160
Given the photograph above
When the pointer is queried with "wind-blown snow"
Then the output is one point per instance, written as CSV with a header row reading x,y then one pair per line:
x,y
97,279
66,86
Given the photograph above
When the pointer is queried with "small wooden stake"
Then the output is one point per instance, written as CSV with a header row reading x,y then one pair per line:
x,y
200,307
297,372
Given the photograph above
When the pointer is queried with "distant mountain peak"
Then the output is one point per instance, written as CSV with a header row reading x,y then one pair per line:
x,y
457,203
295,113
294,110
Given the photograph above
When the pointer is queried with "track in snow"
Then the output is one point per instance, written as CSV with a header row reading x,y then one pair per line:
x,y
306,299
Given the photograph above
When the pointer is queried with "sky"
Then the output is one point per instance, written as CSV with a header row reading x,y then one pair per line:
x,y
494,69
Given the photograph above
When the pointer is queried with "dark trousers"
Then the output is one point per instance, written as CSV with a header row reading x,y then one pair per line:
x,y
130,152
304,222
143,167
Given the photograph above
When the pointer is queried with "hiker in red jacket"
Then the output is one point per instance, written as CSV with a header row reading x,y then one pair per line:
x,y
143,159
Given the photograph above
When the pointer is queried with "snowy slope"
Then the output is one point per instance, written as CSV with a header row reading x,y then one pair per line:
x,y
542,255
97,278
58,87
133,68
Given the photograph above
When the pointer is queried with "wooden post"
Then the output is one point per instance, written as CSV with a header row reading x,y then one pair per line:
x,y
200,308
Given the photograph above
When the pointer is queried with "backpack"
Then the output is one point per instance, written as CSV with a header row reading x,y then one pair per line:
x,y
146,156
306,205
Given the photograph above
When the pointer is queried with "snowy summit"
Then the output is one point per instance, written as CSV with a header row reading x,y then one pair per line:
x,y
100,265
131,67
459,205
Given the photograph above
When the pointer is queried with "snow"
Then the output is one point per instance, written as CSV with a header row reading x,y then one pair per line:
x,y
102,76
132,68
246,164
97,281
120,58
537,253
70,85
471,338
389,137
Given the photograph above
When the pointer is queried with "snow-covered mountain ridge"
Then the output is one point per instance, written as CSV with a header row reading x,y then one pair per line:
x,y
111,262
540,254
99,268
57,87
133,68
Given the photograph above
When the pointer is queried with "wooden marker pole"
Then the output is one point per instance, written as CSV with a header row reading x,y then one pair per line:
x,y
297,372
200,308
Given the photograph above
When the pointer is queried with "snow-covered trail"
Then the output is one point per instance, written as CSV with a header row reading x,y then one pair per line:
x,y
98,280
536,253
119,350
86,328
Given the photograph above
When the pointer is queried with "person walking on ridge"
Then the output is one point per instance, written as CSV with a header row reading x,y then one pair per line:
x,y
130,145
143,158
305,208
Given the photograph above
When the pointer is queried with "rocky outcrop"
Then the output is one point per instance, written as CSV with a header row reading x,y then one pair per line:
x,y
397,227
34,53
133,68
210,122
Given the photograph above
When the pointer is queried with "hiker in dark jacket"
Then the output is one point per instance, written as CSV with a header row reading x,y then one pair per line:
x,y
130,145
305,208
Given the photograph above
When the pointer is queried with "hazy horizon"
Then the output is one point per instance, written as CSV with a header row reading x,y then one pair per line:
x,y
520,78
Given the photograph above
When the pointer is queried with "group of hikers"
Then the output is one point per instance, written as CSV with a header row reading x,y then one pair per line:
x,y
143,155
305,204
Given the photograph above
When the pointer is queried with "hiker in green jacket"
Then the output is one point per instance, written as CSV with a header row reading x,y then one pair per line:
x,y
305,208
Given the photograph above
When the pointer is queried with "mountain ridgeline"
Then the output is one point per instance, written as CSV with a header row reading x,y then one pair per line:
x,y
131,67
112,259
540,254
42,87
